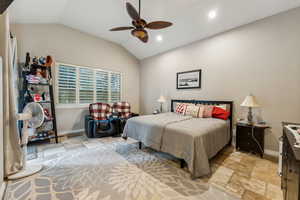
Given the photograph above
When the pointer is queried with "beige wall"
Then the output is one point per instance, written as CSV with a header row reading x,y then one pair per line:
x,y
73,47
2,53
262,58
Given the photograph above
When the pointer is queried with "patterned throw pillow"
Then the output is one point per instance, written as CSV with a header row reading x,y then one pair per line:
x,y
123,108
180,108
100,111
192,110
201,112
207,110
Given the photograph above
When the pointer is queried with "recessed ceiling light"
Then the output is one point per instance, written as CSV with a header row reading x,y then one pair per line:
x,y
159,38
212,14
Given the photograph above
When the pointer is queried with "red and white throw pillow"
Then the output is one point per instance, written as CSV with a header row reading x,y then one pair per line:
x,y
100,111
180,108
123,108
207,110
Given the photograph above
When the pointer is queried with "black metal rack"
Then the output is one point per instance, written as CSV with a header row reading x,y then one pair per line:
x,y
23,100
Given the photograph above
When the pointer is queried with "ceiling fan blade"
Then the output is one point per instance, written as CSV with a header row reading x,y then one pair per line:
x,y
132,11
158,25
122,28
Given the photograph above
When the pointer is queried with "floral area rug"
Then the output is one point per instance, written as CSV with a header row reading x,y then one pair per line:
x,y
109,169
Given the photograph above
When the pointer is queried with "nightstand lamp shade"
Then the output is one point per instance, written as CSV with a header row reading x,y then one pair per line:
x,y
161,100
250,102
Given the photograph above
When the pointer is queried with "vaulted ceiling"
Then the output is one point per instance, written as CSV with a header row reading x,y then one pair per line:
x,y
190,18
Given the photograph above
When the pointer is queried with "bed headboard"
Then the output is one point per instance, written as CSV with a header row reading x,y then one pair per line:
x,y
205,102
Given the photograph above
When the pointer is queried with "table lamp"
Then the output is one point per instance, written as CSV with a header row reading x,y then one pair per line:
x,y
161,100
250,102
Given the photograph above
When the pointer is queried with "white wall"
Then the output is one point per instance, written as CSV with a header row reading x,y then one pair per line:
x,y
70,46
262,58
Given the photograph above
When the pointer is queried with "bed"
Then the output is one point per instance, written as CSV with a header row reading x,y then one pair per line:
x,y
193,140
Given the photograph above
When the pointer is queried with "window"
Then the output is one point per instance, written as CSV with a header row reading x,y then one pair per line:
x,y
66,84
115,87
86,85
82,85
102,89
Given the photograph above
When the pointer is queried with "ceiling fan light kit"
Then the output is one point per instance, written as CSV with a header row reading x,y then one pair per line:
x,y
139,24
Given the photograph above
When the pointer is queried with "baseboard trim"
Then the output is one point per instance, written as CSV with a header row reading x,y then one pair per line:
x,y
271,153
70,132
2,190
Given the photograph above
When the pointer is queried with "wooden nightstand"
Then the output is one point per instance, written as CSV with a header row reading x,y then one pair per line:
x,y
250,138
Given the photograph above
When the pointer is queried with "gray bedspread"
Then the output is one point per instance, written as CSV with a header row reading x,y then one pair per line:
x,y
195,140
149,129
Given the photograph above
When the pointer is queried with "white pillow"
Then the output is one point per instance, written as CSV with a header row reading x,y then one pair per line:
x,y
192,110
201,111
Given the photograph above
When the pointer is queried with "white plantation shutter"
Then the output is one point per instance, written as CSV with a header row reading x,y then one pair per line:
x,y
102,86
86,85
115,87
82,85
66,84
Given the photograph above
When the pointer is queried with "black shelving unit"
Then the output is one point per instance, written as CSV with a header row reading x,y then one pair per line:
x,y
26,98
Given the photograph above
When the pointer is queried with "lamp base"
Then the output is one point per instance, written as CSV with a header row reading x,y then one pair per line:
x,y
29,170
250,116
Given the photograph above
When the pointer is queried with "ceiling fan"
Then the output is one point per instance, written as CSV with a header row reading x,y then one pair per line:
x,y
139,24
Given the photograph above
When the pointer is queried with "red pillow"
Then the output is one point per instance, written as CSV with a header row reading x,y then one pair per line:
x,y
220,113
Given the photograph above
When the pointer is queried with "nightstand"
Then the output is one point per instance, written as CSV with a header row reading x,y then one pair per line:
x,y
250,138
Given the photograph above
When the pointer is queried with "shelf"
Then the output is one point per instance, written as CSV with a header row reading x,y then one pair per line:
x,y
39,102
41,84
42,101
40,66
48,120
41,138
45,84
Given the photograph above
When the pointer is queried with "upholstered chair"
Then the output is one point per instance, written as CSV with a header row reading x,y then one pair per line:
x,y
123,110
100,123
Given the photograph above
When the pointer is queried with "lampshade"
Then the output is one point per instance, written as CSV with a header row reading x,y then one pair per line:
x,y
161,99
250,101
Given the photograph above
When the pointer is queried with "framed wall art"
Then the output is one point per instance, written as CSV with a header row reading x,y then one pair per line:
x,y
189,79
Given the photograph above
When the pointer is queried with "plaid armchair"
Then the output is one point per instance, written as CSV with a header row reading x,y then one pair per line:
x,y
122,109
100,123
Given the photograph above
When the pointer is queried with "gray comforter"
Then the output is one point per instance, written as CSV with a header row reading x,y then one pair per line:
x,y
195,140
149,129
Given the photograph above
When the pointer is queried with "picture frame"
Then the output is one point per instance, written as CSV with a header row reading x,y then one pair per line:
x,y
189,79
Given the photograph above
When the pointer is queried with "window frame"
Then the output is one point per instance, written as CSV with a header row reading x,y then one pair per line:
x,y
78,104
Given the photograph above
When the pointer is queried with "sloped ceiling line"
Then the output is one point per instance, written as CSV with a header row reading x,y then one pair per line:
x,y
190,18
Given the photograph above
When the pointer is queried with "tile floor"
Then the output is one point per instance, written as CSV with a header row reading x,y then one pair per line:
x,y
243,175
246,176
